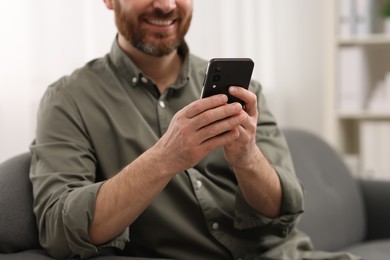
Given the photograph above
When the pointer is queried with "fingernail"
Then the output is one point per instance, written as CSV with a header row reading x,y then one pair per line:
x,y
223,98
232,89
237,106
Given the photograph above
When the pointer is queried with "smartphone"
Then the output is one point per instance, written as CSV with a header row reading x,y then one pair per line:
x,y
221,73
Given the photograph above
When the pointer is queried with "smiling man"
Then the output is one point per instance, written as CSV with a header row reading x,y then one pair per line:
x,y
128,160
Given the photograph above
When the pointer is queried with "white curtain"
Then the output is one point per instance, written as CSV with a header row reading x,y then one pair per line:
x,y
42,40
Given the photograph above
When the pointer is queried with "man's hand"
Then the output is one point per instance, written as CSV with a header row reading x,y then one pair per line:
x,y
243,149
198,129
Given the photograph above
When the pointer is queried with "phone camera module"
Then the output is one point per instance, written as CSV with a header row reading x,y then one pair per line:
x,y
216,78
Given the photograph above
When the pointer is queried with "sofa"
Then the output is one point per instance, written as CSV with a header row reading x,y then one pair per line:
x,y
341,213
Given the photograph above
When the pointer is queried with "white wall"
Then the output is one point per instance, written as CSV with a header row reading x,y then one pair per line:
x,y
300,49
43,40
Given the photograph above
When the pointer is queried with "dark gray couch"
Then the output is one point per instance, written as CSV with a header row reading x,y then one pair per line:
x,y
341,213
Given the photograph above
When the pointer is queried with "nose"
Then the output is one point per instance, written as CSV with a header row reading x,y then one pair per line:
x,y
165,5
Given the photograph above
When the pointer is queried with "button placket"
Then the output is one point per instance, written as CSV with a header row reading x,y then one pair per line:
x,y
134,81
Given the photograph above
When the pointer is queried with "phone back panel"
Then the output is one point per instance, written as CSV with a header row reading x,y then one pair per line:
x,y
222,73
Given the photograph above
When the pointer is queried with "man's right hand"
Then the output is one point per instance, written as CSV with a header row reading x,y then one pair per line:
x,y
196,130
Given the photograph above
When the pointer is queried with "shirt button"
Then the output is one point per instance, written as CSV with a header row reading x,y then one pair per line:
x,y
144,80
215,225
161,103
134,80
198,184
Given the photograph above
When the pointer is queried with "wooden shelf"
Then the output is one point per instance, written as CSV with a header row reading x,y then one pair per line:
x,y
365,115
375,39
355,133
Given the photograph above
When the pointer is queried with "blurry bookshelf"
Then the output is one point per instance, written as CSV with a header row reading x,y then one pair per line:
x,y
362,86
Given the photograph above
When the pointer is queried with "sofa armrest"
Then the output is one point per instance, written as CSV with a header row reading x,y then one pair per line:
x,y
17,221
376,195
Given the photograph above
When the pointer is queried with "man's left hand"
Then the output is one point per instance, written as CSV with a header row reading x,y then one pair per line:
x,y
241,152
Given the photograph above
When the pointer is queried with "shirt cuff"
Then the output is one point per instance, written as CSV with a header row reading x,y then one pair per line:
x,y
77,216
292,206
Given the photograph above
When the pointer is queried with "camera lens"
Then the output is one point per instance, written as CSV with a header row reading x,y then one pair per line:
x,y
216,78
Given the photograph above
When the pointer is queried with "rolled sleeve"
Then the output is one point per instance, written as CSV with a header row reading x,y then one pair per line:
x,y
246,217
76,222
64,209
64,226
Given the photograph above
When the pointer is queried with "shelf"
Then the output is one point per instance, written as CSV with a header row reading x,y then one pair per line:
x,y
374,39
363,133
365,116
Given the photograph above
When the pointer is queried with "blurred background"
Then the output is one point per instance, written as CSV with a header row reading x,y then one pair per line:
x,y
293,43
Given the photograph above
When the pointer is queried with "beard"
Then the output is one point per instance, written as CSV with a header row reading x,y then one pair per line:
x,y
156,44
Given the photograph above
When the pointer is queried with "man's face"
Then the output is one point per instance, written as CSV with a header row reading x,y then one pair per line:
x,y
155,27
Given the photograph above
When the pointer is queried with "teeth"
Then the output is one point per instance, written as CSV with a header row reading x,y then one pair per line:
x,y
161,22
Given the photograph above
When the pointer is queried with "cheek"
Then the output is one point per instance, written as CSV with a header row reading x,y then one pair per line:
x,y
133,8
185,5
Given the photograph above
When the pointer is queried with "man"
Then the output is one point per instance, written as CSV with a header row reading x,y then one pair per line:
x,y
128,160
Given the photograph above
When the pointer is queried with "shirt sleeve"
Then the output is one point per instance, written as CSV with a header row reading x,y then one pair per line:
x,y
63,175
273,145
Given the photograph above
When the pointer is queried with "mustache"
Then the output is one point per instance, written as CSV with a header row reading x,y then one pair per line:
x,y
157,13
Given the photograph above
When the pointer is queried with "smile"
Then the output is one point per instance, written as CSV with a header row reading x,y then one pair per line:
x,y
161,22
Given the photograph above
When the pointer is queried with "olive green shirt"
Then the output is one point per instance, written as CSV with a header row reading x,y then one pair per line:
x,y
94,122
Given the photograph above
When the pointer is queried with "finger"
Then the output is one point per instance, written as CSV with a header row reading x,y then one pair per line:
x,y
199,106
220,127
220,140
250,123
217,114
247,96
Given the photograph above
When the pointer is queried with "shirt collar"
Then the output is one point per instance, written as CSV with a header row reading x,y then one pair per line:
x,y
134,75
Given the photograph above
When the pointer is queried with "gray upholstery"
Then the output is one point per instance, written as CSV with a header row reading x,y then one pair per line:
x,y
18,229
376,195
341,213
333,201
